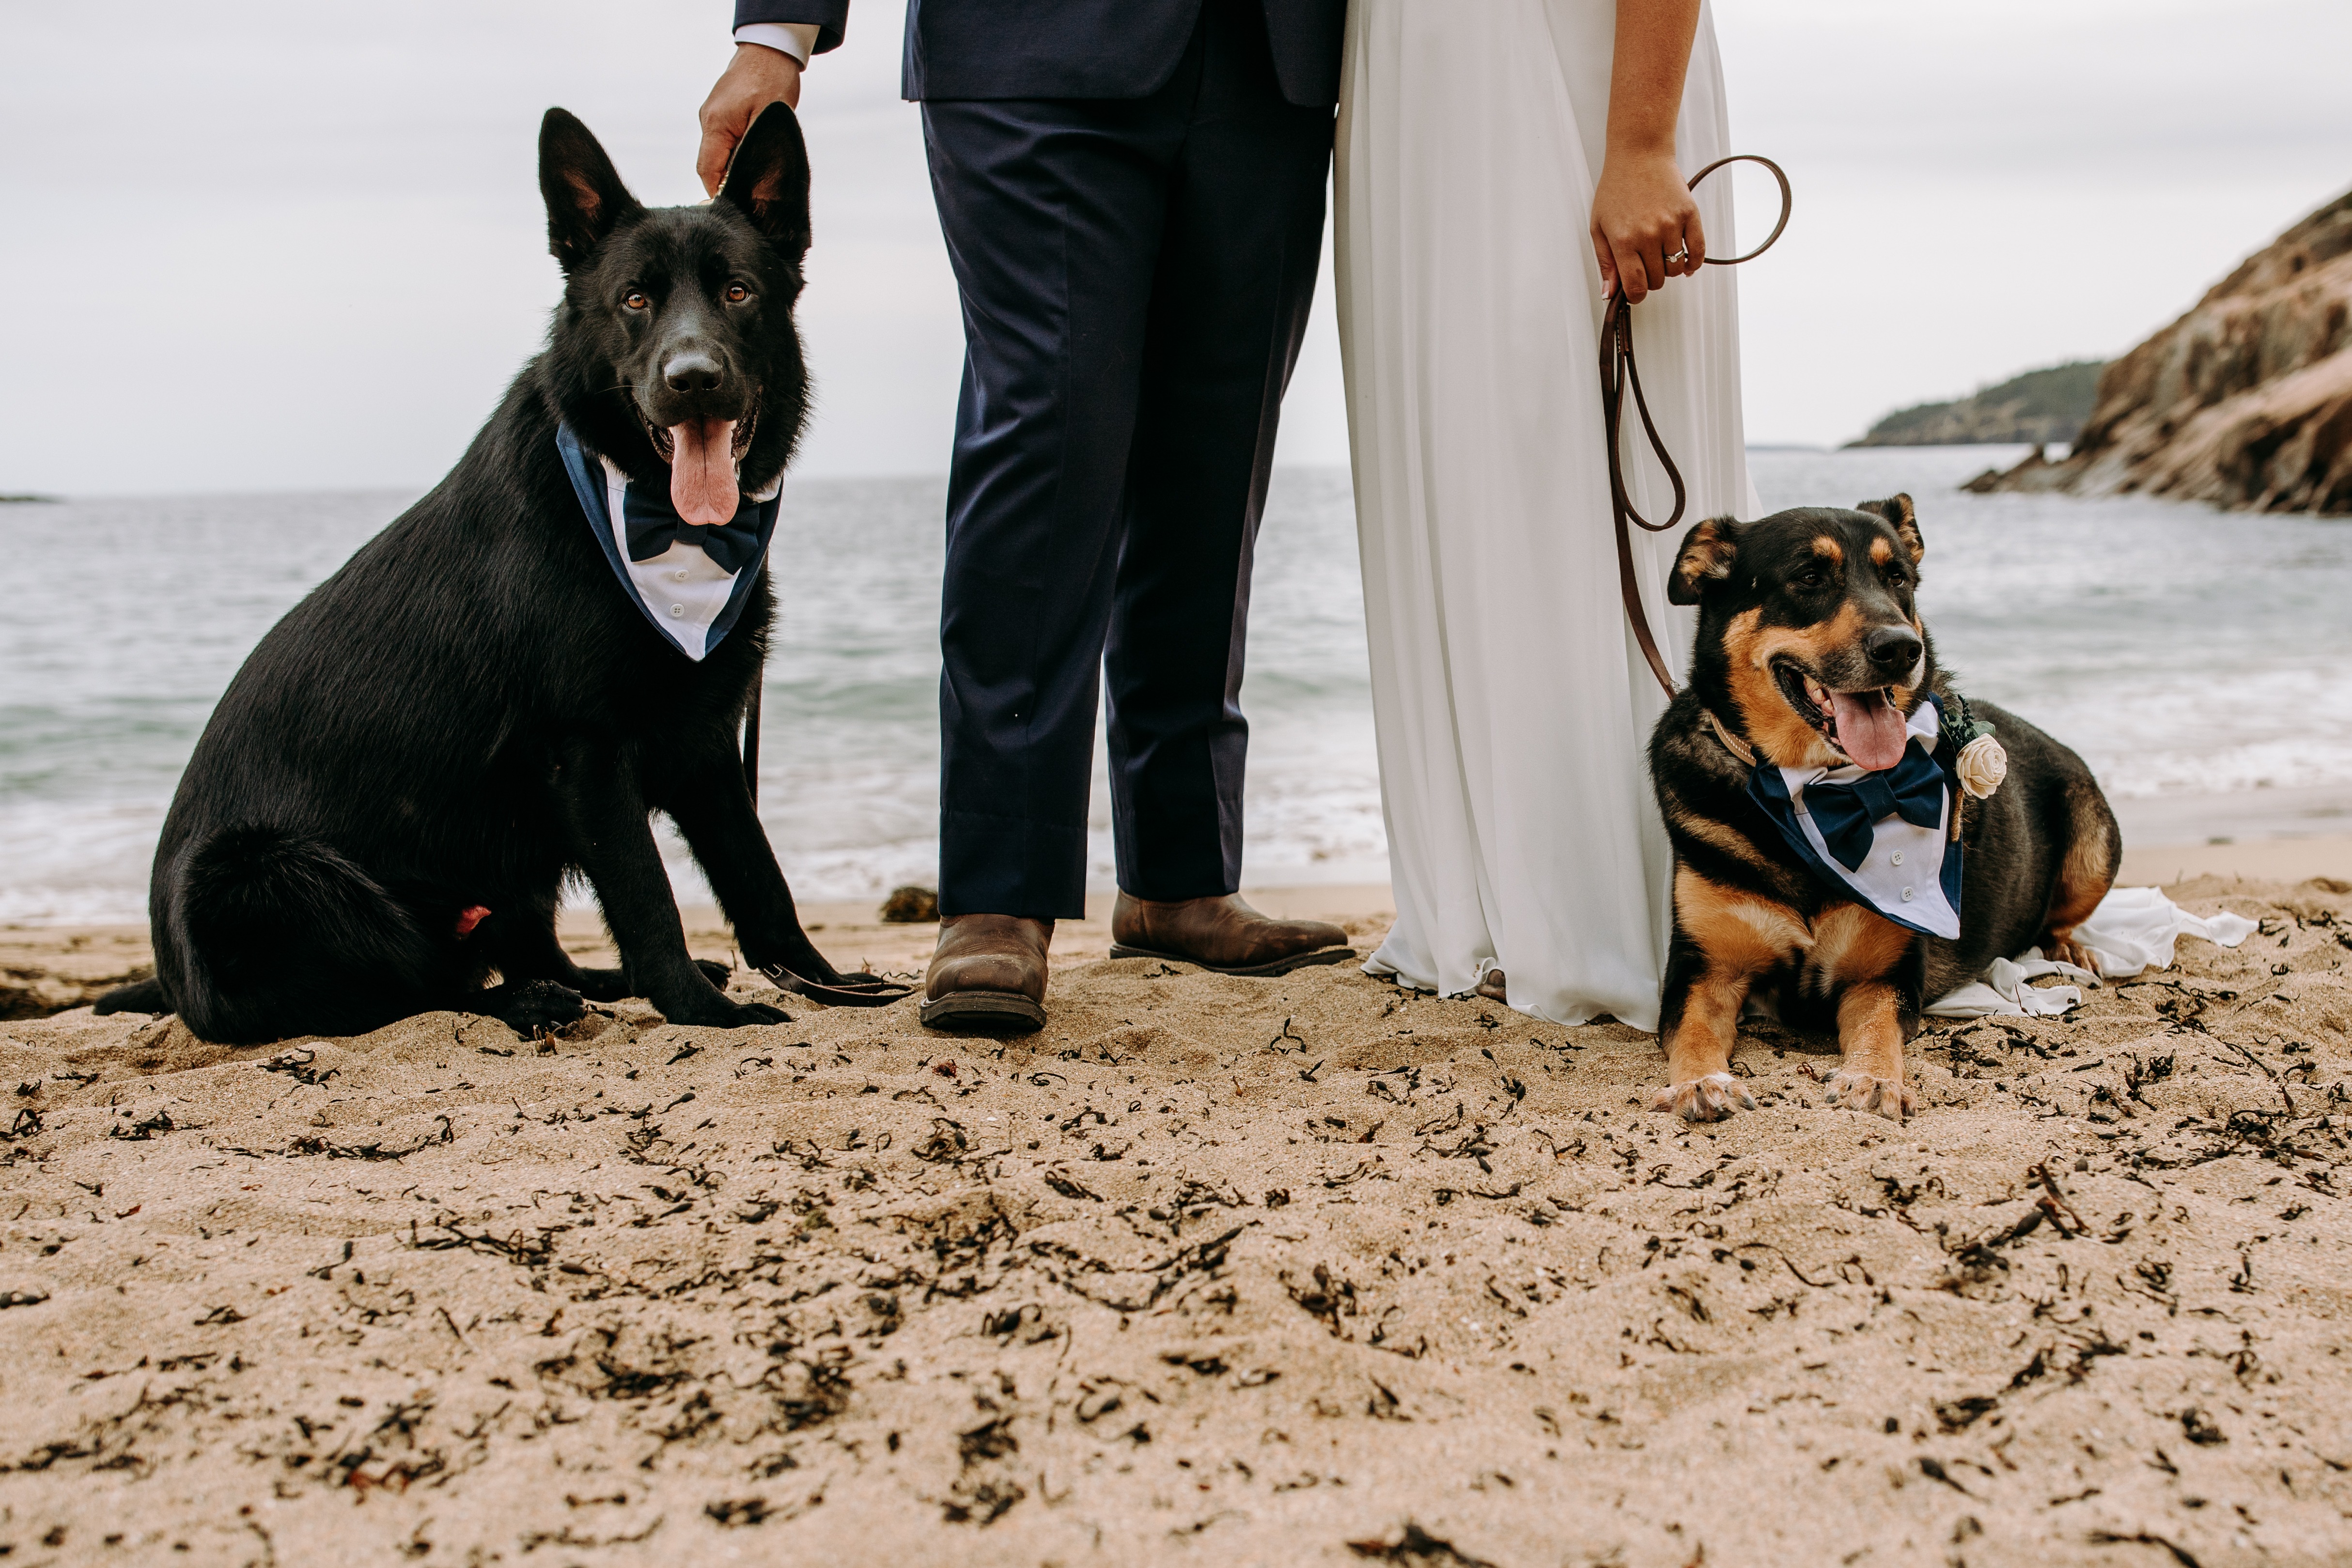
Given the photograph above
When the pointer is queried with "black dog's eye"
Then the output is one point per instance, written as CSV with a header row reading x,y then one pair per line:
x,y
1811,577
1896,578
635,299
737,294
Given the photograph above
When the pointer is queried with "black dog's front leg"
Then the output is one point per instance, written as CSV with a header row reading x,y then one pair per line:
x,y
712,807
613,841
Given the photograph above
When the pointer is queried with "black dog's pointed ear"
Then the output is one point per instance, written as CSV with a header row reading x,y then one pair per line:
x,y
1708,554
1898,509
585,198
767,179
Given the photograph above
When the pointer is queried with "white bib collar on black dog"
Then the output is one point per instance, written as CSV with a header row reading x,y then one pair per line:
x,y
691,582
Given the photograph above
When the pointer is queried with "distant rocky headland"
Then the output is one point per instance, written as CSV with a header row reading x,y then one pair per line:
x,y
2245,402
2038,406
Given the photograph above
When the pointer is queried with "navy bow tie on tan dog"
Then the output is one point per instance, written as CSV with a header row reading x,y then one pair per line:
x,y
1884,834
1848,813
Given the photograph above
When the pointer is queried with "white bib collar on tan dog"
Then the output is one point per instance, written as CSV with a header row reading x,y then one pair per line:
x,y
1912,874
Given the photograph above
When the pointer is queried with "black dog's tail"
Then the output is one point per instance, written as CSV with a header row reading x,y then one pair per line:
x,y
277,933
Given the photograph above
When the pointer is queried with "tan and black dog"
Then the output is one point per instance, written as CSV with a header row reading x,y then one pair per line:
x,y
1810,654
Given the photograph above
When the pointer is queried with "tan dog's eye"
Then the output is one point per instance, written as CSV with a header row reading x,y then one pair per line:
x,y
737,294
635,299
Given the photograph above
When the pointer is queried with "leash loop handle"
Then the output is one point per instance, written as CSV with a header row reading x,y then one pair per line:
x,y
1787,201
1619,374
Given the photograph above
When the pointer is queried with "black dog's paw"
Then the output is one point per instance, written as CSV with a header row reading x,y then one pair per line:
x,y
613,985
605,985
717,1012
533,1008
746,1015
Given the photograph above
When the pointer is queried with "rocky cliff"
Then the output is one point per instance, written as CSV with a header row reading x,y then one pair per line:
x,y
2038,406
2245,402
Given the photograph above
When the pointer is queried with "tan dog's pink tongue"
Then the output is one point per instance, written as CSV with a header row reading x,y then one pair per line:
x,y
1870,730
702,471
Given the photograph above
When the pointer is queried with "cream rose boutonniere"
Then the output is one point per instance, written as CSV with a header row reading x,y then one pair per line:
x,y
1982,766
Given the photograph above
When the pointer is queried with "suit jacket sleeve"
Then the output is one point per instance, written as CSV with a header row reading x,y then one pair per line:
x,y
831,16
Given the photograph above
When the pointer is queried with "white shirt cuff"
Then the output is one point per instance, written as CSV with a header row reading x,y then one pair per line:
x,y
797,39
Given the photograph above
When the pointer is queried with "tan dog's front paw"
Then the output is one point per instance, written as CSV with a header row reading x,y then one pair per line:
x,y
1709,1099
1856,1091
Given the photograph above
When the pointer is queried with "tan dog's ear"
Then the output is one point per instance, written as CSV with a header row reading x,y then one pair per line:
x,y
1898,509
1708,554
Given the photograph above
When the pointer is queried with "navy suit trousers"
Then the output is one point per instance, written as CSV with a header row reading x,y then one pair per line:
x,y
1136,275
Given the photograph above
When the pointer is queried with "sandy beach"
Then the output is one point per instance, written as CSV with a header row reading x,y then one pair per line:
x,y
1032,455
1307,1269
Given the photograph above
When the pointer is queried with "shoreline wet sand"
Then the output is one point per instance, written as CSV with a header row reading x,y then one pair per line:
x,y
1280,1271
43,968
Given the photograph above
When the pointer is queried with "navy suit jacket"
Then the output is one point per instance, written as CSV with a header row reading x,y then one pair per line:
x,y
1073,48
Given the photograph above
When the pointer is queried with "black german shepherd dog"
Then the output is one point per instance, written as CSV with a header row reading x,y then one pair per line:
x,y
1810,654
391,794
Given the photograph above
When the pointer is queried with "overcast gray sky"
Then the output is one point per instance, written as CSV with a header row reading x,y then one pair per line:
x,y
262,245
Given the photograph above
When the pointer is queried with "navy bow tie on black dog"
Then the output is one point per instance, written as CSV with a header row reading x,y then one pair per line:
x,y
1847,812
653,525
688,579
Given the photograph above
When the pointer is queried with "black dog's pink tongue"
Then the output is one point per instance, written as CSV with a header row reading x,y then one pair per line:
x,y
702,471
1870,730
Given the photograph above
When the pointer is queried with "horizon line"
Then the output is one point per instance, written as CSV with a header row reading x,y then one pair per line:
x,y
36,499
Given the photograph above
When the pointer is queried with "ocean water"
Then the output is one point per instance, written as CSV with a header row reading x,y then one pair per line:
x,y
2188,653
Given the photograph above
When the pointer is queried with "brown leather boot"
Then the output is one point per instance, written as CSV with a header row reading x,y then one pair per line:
x,y
1222,935
988,974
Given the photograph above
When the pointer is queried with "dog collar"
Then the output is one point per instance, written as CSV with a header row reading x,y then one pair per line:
x,y
689,582
1731,743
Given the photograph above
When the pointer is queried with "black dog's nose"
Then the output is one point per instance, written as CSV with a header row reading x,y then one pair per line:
x,y
692,372
1893,649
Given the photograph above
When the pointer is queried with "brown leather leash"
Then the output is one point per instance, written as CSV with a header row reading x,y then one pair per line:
x,y
1618,372
752,731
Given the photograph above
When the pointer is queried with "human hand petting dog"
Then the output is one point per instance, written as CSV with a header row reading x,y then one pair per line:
x,y
1646,227
757,76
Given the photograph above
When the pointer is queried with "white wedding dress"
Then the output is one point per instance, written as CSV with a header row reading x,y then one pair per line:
x,y
1512,706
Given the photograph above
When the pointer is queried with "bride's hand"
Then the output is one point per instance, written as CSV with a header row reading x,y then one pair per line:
x,y
1646,227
